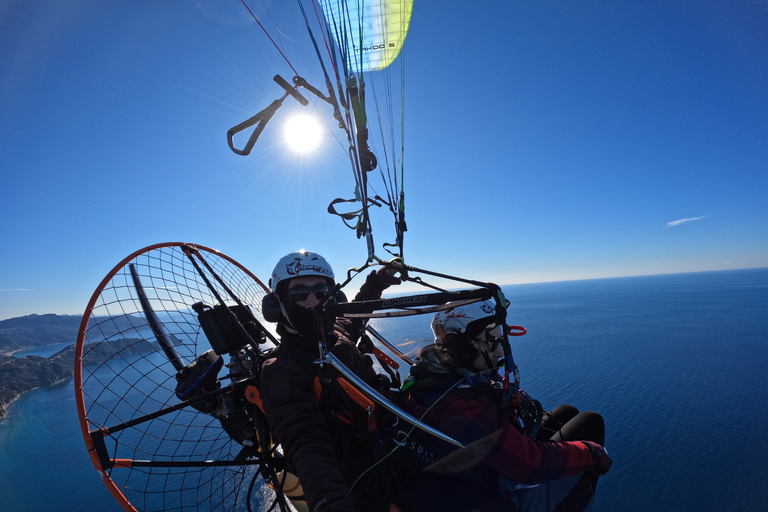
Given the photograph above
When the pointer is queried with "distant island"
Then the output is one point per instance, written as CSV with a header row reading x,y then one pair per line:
x,y
19,375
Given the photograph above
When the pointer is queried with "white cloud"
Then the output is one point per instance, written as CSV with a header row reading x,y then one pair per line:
x,y
683,221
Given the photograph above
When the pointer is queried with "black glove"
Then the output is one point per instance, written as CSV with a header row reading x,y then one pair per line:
x,y
602,461
376,282
387,275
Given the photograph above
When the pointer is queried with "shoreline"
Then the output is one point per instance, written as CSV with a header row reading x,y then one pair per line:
x,y
10,354
4,407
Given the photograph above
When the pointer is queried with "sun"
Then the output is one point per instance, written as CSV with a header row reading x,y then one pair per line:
x,y
302,133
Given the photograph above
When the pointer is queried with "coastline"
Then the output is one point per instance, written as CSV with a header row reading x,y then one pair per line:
x,y
15,351
9,401
4,406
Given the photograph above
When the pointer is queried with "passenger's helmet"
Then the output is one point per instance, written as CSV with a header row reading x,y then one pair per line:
x,y
465,321
300,264
456,329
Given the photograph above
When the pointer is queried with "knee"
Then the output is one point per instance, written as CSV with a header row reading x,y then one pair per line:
x,y
564,413
593,425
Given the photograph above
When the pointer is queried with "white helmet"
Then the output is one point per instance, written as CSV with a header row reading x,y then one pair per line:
x,y
299,264
469,319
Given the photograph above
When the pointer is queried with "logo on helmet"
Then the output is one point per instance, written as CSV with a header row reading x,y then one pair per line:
x,y
295,268
487,307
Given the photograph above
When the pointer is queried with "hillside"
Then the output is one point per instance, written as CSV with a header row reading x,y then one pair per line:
x,y
36,330
20,375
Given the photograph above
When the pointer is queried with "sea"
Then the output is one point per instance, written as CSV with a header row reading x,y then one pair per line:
x,y
677,364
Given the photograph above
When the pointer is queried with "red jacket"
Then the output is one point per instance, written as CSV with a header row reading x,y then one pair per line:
x,y
497,445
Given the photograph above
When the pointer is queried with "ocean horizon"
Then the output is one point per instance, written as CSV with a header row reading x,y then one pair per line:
x,y
674,362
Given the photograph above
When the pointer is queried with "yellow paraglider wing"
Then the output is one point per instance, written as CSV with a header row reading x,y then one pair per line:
x,y
370,33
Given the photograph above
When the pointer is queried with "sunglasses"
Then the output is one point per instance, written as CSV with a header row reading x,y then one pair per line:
x,y
493,335
300,292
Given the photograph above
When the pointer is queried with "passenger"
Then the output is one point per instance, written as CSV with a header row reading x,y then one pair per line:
x,y
324,445
455,388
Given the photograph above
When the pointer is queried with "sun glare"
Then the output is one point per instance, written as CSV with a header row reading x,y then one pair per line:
x,y
302,133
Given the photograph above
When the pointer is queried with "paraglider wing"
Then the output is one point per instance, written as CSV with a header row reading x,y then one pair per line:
x,y
370,33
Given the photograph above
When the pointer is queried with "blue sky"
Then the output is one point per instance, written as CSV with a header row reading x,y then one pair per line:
x,y
544,141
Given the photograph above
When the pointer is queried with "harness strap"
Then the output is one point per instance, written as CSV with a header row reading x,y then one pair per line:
x,y
318,388
361,400
382,356
344,387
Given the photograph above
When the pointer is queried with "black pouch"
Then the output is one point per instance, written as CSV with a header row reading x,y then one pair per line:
x,y
200,377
